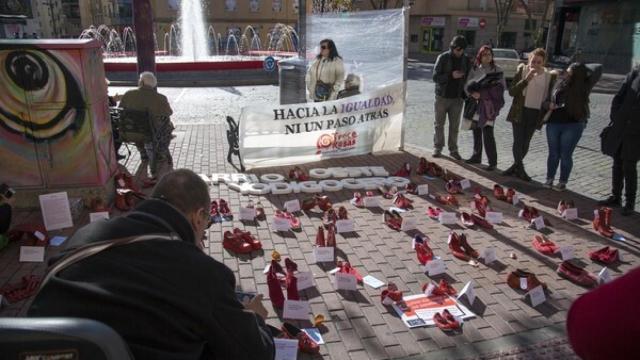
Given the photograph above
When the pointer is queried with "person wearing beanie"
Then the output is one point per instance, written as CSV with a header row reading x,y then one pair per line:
x,y
449,74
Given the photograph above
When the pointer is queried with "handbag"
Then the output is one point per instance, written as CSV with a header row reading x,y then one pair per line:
x,y
470,108
322,90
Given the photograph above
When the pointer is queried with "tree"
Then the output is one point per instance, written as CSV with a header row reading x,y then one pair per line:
x,y
538,38
503,8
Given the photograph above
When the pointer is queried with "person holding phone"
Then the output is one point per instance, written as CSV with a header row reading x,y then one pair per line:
x,y
326,74
567,118
6,211
529,89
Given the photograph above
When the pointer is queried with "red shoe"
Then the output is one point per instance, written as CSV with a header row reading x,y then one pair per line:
x,y
453,187
275,289
391,294
498,192
342,213
308,204
357,200
514,280
392,219
467,248
248,238
422,167
480,221
331,236
292,286
323,202
330,217
544,245
405,171
423,252
234,243
121,200
320,237
443,324
434,170
600,223
510,194
305,343
346,268
450,319
528,213
481,203
260,211
298,174
456,248
402,202
294,222
433,213
388,192
466,219
23,290
224,209
577,274
290,265
442,289
447,200
605,255
412,189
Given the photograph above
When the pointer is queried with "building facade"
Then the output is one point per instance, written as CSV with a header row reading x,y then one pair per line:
x,y
19,18
606,32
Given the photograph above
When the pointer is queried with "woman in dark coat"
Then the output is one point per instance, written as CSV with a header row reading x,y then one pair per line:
x,y
620,140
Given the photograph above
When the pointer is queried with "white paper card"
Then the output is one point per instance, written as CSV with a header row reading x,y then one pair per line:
x,y
494,217
372,281
515,200
32,253
604,276
305,280
447,218
536,295
465,184
323,254
298,310
286,349
343,281
39,235
267,268
570,214
435,267
56,211
98,216
408,223
370,201
423,189
539,223
280,224
566,252
429,289
292,205
468,291
489,255
523,283
343,226
248,214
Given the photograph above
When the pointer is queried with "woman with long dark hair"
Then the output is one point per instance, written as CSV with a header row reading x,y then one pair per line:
x,y
326,74
485,90
567,118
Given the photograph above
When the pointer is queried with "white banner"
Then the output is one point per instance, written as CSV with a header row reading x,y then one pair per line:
x,y
300,133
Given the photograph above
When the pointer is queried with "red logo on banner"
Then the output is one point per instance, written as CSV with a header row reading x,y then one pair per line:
x,y
336,142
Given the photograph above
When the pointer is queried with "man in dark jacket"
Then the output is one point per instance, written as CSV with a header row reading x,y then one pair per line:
x,y
166,298
620,140
450,74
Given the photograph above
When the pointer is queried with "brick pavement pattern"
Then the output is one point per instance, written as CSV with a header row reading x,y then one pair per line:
x,y
358,326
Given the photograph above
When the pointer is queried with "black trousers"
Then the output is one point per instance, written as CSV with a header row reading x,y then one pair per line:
x,y
625,175
485,135
523,132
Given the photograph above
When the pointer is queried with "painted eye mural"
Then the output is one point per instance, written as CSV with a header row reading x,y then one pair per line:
x,y
35,78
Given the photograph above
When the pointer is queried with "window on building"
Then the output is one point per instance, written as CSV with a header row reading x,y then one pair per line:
x,y
508,40
432,39
414,38
530,24
470,35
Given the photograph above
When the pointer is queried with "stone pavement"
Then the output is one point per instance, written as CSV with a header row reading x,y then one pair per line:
x,y
358,326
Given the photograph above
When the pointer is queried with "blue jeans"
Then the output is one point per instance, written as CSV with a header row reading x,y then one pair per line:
x,y
562,139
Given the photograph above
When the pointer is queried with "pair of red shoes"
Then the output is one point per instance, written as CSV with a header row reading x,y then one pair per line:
x,y
606,255
321,201
500,194
453,187
442,289
240,242
404,171
392,219
470,220
275,285
294,222
428,168
391,294
36,235
358,200
388,192
544,245
305,343
460,248
330,239
433,213
445,321
221,208
423,251
523,280
412,188
447,200
259,209
346,268
602,222
23,290
298,174
402,201
576,274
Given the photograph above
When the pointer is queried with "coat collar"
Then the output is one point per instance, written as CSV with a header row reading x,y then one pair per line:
x,y
173,217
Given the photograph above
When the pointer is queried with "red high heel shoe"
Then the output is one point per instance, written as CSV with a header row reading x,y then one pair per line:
x,y
330,217
342,213
422,167
331,235
357,200
320,237
405,171
224,209
498,192
275,290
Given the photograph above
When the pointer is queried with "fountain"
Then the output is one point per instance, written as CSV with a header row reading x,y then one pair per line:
x,y
192,51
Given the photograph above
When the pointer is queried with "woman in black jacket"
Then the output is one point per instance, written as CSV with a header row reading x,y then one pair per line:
x,y
620,140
